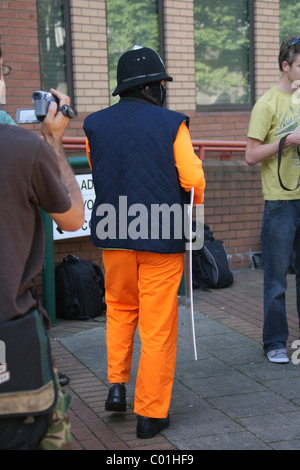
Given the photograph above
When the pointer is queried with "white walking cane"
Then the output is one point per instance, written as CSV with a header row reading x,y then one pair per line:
x,y
188,279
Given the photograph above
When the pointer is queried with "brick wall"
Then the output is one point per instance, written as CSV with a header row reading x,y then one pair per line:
x,y
266,30
180,54
19,41
81,247
90,60
233,208
219,125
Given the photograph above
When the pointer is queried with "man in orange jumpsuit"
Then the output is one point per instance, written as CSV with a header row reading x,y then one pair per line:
x,y
142,159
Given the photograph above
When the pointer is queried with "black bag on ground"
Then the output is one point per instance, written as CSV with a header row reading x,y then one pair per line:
x,y
210,264
79,289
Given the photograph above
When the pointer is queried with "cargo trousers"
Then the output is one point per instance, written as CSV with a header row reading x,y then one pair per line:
x,y
142,291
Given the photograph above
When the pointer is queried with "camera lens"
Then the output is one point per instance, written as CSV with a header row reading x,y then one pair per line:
x,y
37,95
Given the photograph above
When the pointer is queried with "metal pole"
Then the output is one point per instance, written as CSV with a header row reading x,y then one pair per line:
x,y
181,290
49,270
78,162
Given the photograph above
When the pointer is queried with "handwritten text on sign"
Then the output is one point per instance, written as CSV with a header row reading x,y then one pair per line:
x,y
88,194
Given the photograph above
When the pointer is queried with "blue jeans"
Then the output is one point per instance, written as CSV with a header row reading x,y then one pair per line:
x,y
280,237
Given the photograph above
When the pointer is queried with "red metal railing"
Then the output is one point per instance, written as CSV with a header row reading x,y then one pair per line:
x,y
74,143
226,148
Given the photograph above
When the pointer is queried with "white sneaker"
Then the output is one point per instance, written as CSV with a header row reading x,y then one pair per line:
x,y
279,356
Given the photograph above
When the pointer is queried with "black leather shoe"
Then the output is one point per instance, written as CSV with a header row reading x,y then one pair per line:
x,y
149,427
116,400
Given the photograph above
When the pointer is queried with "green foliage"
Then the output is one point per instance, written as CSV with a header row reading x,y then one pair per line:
x,y
289,18
222,50
130,22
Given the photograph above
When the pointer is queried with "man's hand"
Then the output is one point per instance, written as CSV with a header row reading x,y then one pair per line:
x,y
53,128
257,152
293,138
55,123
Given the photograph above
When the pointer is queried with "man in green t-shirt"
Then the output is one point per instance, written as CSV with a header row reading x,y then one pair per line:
x,y
275,115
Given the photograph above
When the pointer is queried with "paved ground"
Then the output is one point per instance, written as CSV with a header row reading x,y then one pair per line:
x,y
231,398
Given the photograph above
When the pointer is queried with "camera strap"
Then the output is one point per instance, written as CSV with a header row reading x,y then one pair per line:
x,y
67,111
282,140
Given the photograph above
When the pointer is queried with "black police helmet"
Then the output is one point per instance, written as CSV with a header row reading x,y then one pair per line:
x,y
139,66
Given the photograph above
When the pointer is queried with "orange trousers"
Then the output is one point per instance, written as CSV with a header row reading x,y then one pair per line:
x,y
142,290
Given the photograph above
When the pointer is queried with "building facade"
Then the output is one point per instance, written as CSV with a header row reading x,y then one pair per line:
x,y
188,44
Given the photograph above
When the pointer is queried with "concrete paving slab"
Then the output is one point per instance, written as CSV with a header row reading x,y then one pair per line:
x,y
274,428
242,440
253,404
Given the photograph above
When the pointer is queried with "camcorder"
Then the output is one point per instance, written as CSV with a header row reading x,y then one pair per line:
x,y
41,101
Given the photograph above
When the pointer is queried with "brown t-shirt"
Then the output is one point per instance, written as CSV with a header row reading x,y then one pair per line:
x,y
29,179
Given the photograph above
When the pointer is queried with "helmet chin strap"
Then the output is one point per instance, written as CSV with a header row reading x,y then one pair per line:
x,y
155,93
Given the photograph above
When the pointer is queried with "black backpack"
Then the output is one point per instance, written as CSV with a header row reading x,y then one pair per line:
x,y
210,264
79,289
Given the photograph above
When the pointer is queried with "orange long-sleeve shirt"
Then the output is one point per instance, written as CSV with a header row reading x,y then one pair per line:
x,y
189,166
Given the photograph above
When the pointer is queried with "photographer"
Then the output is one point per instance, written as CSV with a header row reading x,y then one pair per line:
x,y
276,115
34,174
